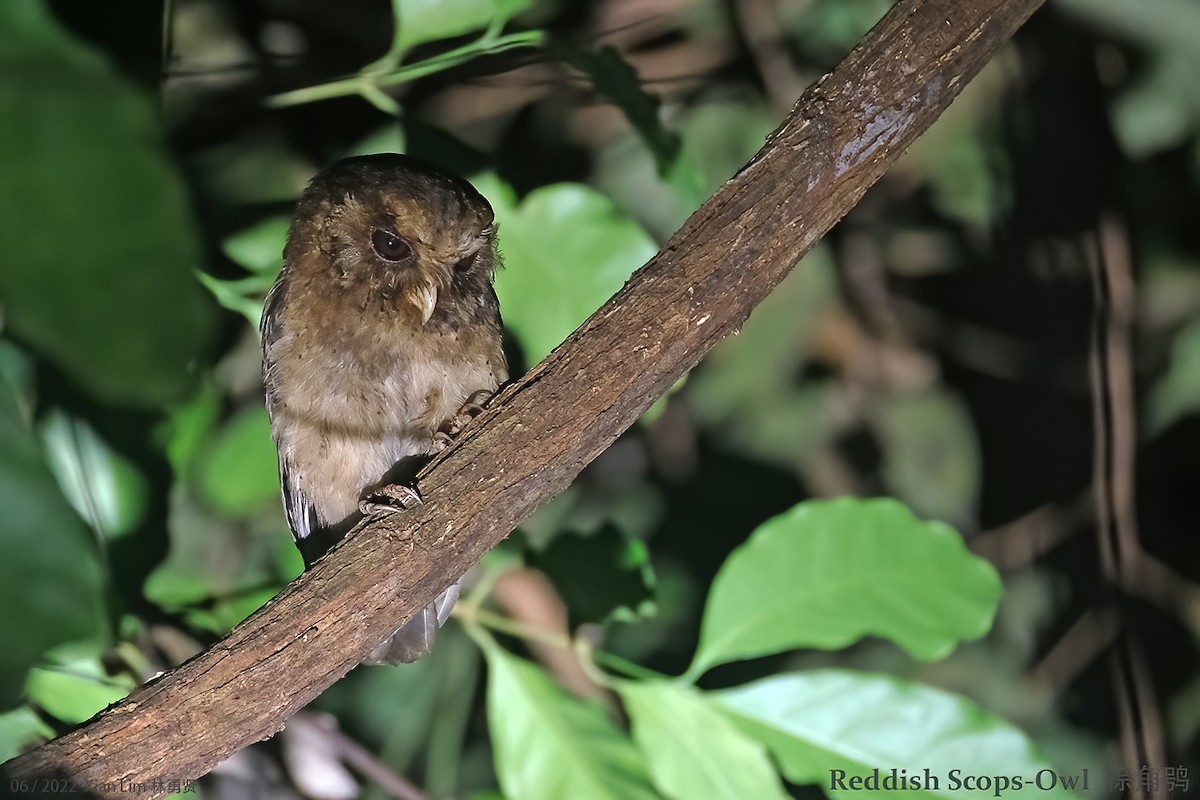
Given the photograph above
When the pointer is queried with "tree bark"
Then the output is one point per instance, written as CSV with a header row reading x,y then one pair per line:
x,y
840,137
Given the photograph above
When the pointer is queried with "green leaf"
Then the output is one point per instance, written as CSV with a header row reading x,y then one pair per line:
x,y
218,573
75,692
549,745
676,166
1158,108
1161,25
825,720
221,616
233,294
240,473
100,243
829,28
233,560
17,369
827,573
423,21
692,749
50,559
613,77
962,179
259,248
1158,112
189,427
175,584
717,140
103,487
21,729
566,251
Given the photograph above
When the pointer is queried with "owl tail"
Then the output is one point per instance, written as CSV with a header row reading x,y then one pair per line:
x,y
415,638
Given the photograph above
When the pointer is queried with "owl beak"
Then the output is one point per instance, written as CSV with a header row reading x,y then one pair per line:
x,y
424,298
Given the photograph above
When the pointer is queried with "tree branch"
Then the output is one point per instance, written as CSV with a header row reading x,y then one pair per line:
x,y
838,140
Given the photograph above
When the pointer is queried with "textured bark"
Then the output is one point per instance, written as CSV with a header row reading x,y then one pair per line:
x,y
840,137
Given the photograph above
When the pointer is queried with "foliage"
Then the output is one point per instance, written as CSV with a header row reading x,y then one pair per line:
x,y
82,131
703,623
696,743
57,571
862,568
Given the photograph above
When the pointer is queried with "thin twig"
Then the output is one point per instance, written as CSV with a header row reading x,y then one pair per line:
x,y
1075,650
1115,425
529,598
364,762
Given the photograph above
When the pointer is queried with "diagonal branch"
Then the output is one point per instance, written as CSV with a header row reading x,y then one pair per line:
x,y
838,140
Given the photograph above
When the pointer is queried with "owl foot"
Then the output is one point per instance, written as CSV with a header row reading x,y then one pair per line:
x,y
389,500
454,426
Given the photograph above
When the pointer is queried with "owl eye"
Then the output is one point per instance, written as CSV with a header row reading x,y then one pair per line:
x,y
467,263
389,246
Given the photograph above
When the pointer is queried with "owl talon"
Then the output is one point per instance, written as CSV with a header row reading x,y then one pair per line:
x,y
471,409
389,500
478,401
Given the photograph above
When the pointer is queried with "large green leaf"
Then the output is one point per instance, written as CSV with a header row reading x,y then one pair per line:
x,y
827,573
99,241
549,745
566,251
692,749
51,568
821,722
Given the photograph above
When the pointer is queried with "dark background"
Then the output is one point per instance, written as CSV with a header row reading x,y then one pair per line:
x,y
936,347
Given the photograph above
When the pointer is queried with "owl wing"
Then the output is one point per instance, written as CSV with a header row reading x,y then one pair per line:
x,y
301,514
